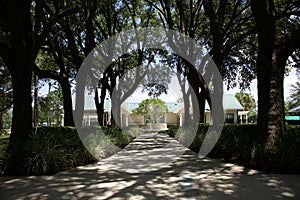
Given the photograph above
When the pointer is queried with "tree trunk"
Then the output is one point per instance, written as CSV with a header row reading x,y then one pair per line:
x,y
276,125
66,92
115,112
67,99
79,102
263,11
196,110
100,106
19,22
186,100
217,109
1,120
197,83
36,102
22,110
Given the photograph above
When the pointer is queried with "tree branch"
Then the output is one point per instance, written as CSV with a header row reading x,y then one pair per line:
x,y
5,54
7,107
40,38
46,73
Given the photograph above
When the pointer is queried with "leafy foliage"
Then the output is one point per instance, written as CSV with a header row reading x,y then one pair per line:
x,y
243,144
4,140
53,149
295,95
5,88
247,100
51,108
152,109
6,96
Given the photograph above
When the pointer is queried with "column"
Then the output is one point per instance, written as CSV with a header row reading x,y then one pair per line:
x,y
126,122
180,119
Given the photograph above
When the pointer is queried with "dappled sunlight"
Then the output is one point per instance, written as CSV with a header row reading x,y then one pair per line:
x,y
154,166
283,188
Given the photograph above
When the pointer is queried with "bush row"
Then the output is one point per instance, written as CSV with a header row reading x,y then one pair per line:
x,y
243,144
53,149
4,132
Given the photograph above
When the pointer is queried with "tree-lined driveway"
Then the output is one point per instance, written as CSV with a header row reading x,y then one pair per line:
x,y
154,166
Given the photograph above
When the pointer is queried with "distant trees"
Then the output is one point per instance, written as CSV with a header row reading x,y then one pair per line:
x,y
51,108
51,65
294,98
295,95
247,100
152,109
6,93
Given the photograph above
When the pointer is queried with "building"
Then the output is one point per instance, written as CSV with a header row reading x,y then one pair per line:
x,y
90,115
232,109
174,116
293,117
171,117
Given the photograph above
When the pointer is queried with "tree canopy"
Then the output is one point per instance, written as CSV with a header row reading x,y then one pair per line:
x,y
247,100
153,110
295,95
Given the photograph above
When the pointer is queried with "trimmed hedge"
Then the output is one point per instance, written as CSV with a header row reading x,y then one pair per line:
x,y
242,144
53,149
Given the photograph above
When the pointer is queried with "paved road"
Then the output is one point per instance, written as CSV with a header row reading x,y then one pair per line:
x,y
154,166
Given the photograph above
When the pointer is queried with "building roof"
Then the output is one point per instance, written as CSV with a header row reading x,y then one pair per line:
x,y
296,109
130,105
89,103
230,102
174,106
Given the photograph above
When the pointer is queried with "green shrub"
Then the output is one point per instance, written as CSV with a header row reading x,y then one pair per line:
x,y
185,136
242,144
103,145
286,159
99,145
53,149
172,130
288,153
4,132
173,127
235,143
4,140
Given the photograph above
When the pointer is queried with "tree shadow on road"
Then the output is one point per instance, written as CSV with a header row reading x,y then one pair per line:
x,y
185,177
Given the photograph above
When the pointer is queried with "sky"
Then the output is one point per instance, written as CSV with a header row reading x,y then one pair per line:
x,y
288,80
